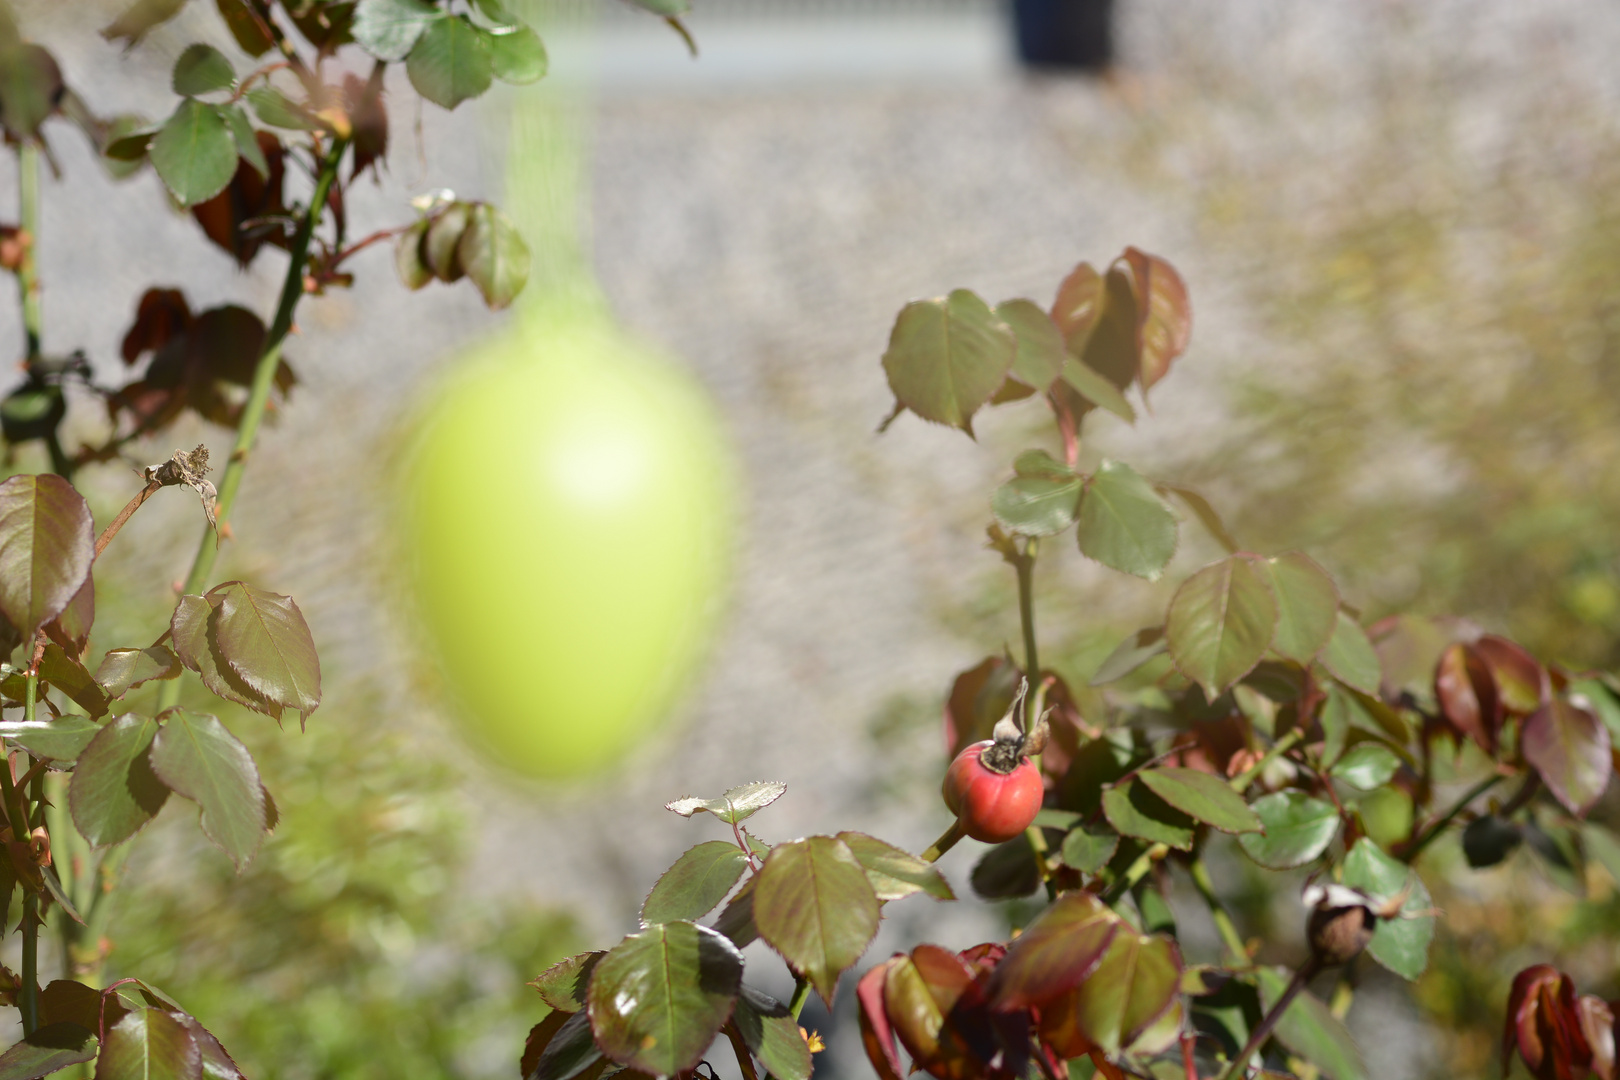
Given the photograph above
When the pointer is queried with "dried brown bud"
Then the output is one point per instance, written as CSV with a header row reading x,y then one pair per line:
x,y
1338,934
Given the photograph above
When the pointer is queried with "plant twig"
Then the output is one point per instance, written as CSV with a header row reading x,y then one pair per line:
x,y
946,841
1230,937
801,994
134,504
30,921
28,223
1240,1064
1024,564
264,375
1432,833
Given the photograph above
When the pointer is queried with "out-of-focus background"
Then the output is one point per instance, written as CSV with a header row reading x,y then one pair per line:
x,y
1397,221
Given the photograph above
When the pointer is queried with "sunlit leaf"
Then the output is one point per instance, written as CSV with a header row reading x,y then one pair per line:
x,y
1220,623
114,790
1298,828
1521,681
895,874
1367,766
450,62
1055,953
1133,985
47,542
1307,605
1134,810
1350,656
563,984
198,758
659,997
1570,749
735,804
193,644
1467,693
122,670
194,152
388,29
274,108
947,357
877,1034
61,739
1164,314
569,1051
66,675
1041,353
264,639
697,881
516,54
1037,505
1400,943
814,905
1124,524
1198,794
149,1044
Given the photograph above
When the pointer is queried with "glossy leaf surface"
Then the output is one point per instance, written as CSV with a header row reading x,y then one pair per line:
x,y
658,998
1307,605
114,790
122,670
1367,766
563,984
1204,797
194,152
61,739
1571,750
1062,947
1298,828
734,804
389,29
46,546
1135,983
1134,810
947,357
1351,658
264,639
772,1035
149,1044
895,874
1401,943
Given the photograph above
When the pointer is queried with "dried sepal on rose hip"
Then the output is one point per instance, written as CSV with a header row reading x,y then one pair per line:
x,y
1343,920
993,787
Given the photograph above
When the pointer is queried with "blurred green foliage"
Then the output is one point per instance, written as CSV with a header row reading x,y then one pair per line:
x,y
355,944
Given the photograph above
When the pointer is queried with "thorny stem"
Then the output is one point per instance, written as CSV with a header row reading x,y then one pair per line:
x,y
1217,910
1432,833
1262,1031
124,515
263,379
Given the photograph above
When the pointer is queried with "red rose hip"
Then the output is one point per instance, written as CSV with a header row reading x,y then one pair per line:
x,y
994,790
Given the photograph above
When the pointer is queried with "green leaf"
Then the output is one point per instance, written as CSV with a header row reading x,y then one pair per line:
x,y
772,1035
1097,389
516,54
1367,766
122,670
388,29
61,739
450,62
492,253
1055,953
563,984
1571,750
246,26
139,17
893,873
1351,658
1088,852
149,1044
814,905
1037,506
443,239
1601,844
194,152
68,676
1307,605
1131,654
1220,624
50,1049
697,881
275,109
247,141
1135,983
1134,810
947,357
202,69
114,790
47,542
1124,524
197,757
193,644
262,636
413,272
569,1052
658,998
1400,944
736,919
1310,1030
1207,798
1298,829
1041,353
735,804
30,88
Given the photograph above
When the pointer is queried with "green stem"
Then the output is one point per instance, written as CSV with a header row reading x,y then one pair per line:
x,y
946,841
1025,566
1432,833
1235,948
30,921
264,377
801,994
1137,871
1281,746
1262,1031
28,221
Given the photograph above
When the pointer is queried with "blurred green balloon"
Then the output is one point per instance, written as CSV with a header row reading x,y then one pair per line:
x,y
569,506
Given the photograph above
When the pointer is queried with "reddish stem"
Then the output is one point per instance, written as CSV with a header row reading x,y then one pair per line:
x,y
124,515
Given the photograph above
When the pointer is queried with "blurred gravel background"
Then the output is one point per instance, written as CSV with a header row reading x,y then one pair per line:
x,y
761,213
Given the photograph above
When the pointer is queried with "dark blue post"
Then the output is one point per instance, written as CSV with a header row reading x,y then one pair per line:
x,y
1076,34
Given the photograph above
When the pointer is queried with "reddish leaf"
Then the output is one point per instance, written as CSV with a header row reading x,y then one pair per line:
x,y
1597,1023
114,791
1570,748
193,644
1467,693
877,1035
262,636
233,219
52,1047
369,119
69,676
539,1038
149,1044
1058,950
1542,1024
1135,983
814,905
1522,683
248,21
979,697
71,629
162,314
1163,316
47,542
